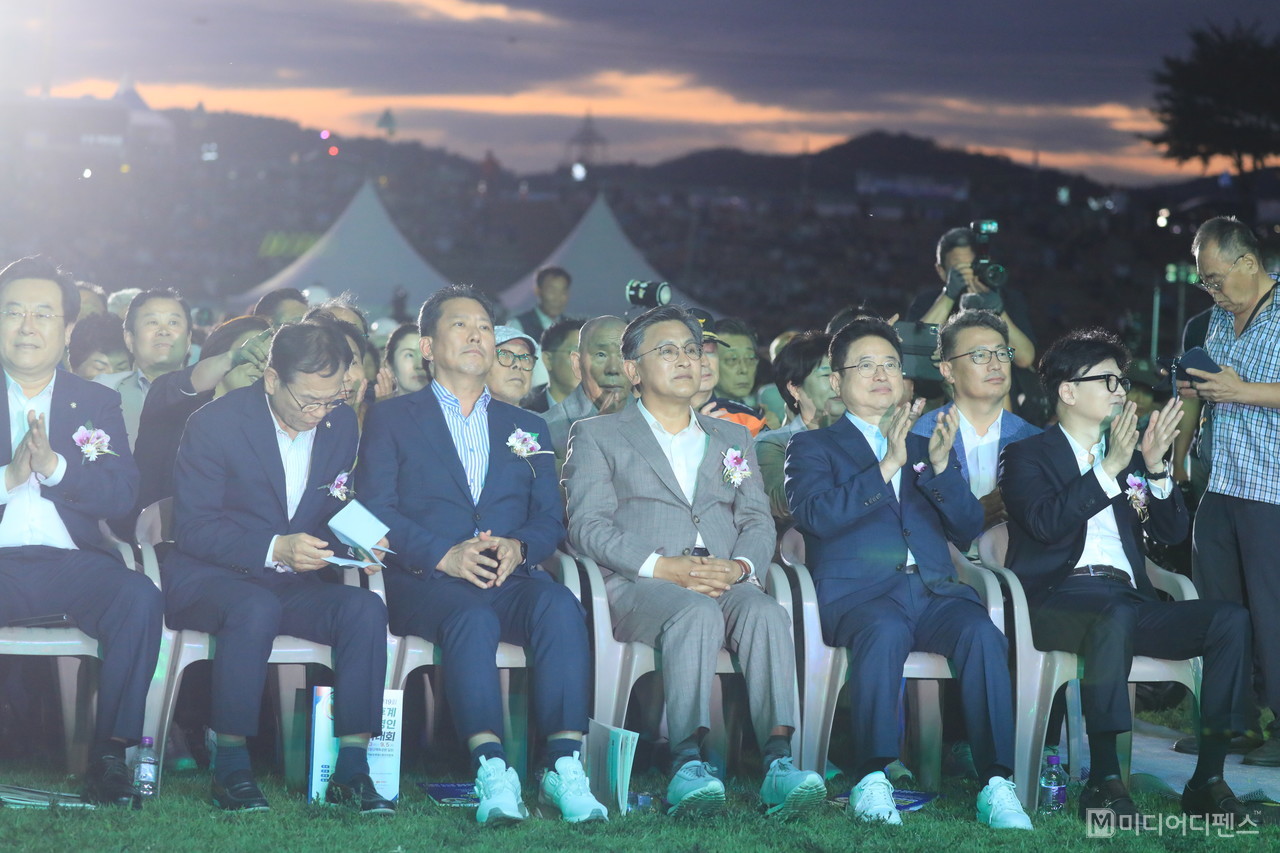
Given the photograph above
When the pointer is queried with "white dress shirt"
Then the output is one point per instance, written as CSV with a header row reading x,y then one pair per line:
x,y
29,517
880,446
982,454
295,455
1102,543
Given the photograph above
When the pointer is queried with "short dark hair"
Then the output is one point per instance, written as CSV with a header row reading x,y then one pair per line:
x,y
102,333
633,334
43,268
735,326
559,331
862,327
324,317
429,316
1076,352
956,238
970,319
796,360
346,299
540,278
398,334
843,317
1230,235
314,348
226,332
138,302
267,305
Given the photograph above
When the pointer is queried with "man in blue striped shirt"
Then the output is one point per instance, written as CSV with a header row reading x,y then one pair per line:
x,y
1233,544
474,506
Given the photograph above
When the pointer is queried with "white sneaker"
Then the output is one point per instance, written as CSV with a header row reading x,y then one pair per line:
x,y
788,791
999,806
871,800
498,788
568,790
695,791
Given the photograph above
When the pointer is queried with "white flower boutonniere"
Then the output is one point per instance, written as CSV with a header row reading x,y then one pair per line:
x,y
525,444
1137,493
92,442
736,468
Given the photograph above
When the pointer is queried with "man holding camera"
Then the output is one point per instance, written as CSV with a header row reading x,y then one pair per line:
x,y
1233,544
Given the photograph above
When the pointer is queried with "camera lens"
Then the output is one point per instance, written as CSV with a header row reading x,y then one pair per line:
x,y
648,294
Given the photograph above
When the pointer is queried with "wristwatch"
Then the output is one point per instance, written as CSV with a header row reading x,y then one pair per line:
x,y
524,552
1163,475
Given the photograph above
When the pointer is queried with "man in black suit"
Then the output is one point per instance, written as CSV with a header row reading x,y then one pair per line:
x,y
259,473
68,465
1079,499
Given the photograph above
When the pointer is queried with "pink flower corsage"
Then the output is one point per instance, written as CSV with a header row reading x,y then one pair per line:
x,y
525,444
1137,493
736,468
340,487
919,467
92,442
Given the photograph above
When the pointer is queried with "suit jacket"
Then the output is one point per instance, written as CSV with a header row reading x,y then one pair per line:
x,y
1012,428
771,450
857,532
89,490
229,489
625,502
1050,503
411,478
563,415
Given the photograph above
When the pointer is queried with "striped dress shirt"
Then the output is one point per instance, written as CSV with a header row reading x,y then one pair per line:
x,y
470,435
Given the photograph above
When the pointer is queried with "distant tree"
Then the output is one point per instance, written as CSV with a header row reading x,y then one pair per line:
x,y
1222,100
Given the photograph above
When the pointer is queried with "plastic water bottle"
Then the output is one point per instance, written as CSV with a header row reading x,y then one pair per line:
x,y
145,768
1053,785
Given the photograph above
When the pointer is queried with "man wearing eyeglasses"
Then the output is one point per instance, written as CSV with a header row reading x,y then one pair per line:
x,y
1234,544
670,504
1080,498
512,373
878,506
258,475
976,362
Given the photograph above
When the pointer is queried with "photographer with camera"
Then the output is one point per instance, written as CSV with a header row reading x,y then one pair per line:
x,y
972,280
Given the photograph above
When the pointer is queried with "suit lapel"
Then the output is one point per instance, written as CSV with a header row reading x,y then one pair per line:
x,y
635,429
439,440
260,438
711,471
500,455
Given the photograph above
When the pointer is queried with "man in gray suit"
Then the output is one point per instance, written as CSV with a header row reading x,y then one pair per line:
x,y
669,504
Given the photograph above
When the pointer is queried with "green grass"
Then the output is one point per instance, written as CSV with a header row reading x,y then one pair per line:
x,y
181,819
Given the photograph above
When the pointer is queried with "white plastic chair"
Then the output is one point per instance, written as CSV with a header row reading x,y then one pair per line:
x,y
1039,674
77,684
415,652
826,669
619,665
289,655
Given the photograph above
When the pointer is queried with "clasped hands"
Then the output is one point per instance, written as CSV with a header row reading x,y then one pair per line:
x,y
711,576
33,456
484,560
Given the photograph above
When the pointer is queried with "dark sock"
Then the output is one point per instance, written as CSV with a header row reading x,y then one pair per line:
x,y
560,747
777,746
996,770
1211,759
871,767
110,747
491,749
689,749
228,760
1103,755
352,760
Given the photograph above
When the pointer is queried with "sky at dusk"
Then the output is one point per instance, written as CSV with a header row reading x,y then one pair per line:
x,y
1071,81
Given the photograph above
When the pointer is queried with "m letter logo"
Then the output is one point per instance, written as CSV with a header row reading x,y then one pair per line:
x,y
1099,823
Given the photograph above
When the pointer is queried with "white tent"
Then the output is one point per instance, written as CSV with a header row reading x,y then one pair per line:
x,y
362,252
601,260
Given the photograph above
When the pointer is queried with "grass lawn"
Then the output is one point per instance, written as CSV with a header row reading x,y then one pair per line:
x,y
181,819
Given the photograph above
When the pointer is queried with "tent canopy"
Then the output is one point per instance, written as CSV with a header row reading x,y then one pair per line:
x,y
601,260
362,252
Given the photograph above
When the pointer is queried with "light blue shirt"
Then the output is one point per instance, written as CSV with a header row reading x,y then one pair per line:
x,y
880,446
470,434
29,517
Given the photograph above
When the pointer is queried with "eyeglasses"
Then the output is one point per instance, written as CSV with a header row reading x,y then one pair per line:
x,y
507,358
670,352
19,317
312,408
1004,355
1113,381
867,368
1213,283
731,361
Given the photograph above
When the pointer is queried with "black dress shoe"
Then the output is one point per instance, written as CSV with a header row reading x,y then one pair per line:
x,y
1240,744
1267,755
1111,794
1217,798
239,793
361,793
109,783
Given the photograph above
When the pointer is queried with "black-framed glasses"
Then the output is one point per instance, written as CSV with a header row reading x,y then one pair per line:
x,y
312,408
867,368
525,362
982,355
671,352
1113,381
1213,283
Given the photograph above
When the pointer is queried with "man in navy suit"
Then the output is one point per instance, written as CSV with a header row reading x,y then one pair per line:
x,y
1078,505
473,504
259,473
877,507
67,466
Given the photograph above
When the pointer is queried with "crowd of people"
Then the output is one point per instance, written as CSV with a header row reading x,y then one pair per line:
x,y
647,446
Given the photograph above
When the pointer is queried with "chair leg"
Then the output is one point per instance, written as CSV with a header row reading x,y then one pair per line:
x,y
290,679
924,730
1075,728
515,721
1124,742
